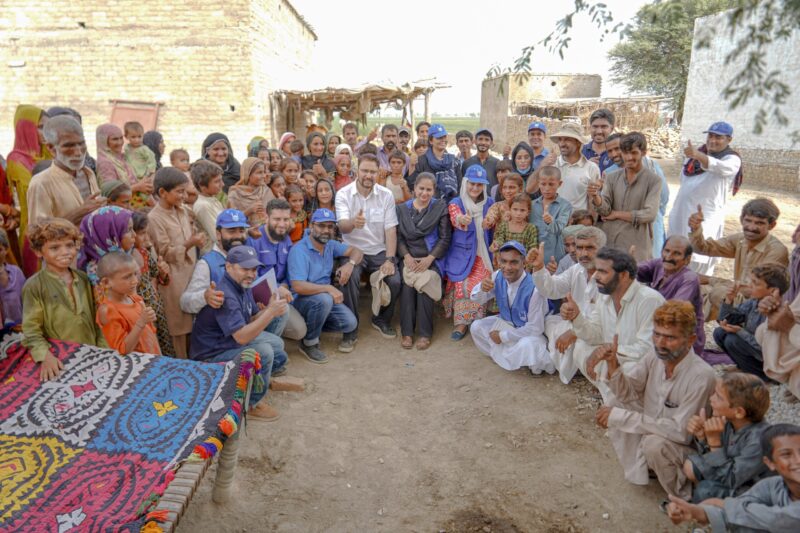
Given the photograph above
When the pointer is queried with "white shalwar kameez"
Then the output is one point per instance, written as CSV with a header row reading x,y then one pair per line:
x,y
710,190
524,346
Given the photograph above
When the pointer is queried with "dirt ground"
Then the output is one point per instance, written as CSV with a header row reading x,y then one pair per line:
x,y
390,440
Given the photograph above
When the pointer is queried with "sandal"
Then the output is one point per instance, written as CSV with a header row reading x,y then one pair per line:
x,y
407,342
458,335
423,343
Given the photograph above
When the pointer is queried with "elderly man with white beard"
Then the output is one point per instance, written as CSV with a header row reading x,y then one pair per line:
x,y
56,192
578,283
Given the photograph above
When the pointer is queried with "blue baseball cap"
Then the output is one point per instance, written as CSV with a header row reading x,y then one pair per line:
x,y
514,245
323,215
437,131
720,128
484,131
536,125
244,256
232,218
476,174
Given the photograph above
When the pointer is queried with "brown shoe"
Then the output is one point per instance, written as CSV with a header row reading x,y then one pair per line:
x,y
423,343
407,342
287,384
265,412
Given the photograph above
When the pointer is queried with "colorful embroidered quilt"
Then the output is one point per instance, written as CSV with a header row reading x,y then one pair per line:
x,y
90,450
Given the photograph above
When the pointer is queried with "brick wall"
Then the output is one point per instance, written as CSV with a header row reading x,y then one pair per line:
x,y
212,64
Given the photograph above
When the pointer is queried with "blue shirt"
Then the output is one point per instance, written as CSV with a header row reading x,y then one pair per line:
x,y
604,162
307,264
537,159
274,255
550,234
214,328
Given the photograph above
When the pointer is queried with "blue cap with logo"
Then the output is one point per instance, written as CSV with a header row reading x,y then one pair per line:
x,y
437,131
232,218
476,174
514,245
484,131
244,256
720,128
536,125
323,215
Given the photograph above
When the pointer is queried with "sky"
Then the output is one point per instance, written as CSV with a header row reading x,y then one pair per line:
x,y
453,41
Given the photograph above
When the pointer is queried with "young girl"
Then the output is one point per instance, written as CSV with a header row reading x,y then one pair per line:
x,y
501,210
290,169
126,321
310,185
550,214
172,231
107,229
396,181
250,195
117,193
153,272
502,171
324,197
277,185
296,198
344,174
517,228
275,160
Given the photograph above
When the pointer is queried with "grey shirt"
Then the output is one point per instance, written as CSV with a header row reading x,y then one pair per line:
x,y
766,507
490,166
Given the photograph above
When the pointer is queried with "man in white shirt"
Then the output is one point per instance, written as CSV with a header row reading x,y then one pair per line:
x,y
578,283
515,337
576,170
709,172
368,221
624,309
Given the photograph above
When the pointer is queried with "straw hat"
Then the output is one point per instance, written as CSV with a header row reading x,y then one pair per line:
x,y
570,130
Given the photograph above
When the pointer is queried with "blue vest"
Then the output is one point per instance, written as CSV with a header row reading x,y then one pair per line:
x,y
216,265
464,246
517,312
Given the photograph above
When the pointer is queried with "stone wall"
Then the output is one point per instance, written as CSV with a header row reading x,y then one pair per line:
x,y
769,158
211,64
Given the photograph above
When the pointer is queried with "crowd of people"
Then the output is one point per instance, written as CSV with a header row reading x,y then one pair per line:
x,y
555,262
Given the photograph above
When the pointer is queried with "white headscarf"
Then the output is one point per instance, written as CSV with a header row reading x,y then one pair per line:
x,y
475,210
341,147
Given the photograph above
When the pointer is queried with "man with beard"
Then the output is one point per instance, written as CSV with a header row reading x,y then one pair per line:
x,y
389,136
754,246
601,125
56,192
310,268
403,140
624,309
709,172
368,221
670,275
578,283
273,251
652,402
221,334
483,142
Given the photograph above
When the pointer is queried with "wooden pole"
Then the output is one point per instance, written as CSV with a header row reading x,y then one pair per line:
x,y
411,115
427,106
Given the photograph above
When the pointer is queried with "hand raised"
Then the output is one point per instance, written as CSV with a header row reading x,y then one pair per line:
x,y
696,219
487,284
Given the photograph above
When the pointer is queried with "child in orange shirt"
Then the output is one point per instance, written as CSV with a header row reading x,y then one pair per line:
x,y
299,217
127,324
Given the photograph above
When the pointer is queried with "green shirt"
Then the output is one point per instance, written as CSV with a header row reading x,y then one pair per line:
x,y
49,312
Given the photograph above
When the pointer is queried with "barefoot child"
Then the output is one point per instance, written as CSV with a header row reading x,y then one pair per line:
x,y
517,228
730,458
207,178
143,161
550,214
299,217
126,321
57,301
175,239
153,272
501,210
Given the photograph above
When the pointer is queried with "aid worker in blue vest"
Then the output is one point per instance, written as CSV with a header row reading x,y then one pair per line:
x,y
515,337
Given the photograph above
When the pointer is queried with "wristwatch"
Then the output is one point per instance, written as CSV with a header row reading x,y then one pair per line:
x,y
392,259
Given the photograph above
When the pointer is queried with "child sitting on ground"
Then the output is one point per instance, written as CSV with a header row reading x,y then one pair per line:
x,y
582,217
517,228
142,160
11,281
550,214
207,178
57,301
503,169
737,325
501,210
126,321
299,216
171,228
773,504
729,443
117,193
153,272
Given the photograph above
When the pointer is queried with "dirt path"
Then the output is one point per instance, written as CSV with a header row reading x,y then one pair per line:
x,y
393,440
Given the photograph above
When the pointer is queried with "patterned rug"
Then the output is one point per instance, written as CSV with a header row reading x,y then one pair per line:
x,y
93,450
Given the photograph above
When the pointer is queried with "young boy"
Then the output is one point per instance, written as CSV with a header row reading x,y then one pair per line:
x,y
127,323
729,442
141,158
179,158
502,171
550,214
737,325
582,217
207,178
298,149
57,301
773,504
11,281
